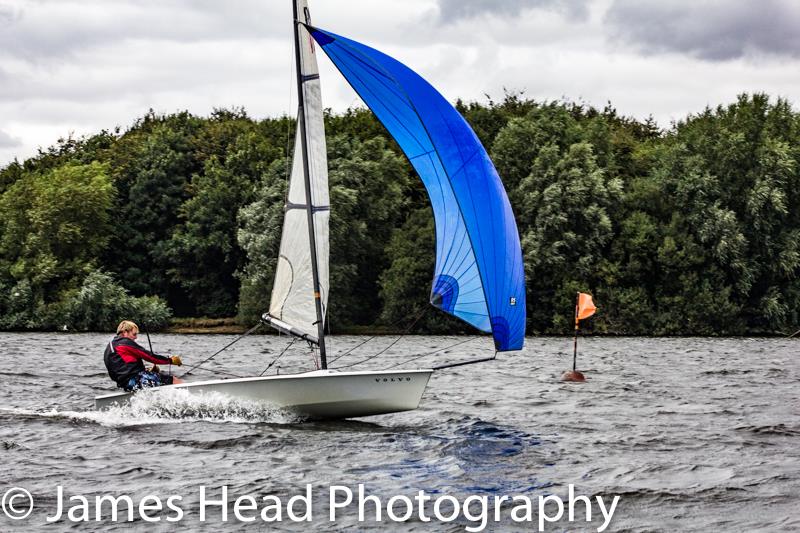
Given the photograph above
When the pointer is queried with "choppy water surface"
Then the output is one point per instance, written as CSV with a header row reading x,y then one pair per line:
x,y
693,434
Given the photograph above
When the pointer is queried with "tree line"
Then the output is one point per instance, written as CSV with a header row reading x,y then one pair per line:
x,y
693,229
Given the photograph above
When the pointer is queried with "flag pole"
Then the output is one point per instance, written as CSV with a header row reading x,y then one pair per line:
x,y
586,311
575,348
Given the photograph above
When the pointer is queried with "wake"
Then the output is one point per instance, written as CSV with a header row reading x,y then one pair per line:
x,y
172,406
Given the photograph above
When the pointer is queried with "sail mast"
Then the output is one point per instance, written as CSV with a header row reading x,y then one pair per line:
x,y
301,123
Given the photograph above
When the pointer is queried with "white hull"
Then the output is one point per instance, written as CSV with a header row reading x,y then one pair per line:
x,y
320,394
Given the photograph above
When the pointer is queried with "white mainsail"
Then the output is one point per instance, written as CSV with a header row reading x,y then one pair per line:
x,y
293,291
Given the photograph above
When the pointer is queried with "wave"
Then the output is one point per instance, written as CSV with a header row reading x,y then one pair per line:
x,y
9,445
728,372
676,496
776,429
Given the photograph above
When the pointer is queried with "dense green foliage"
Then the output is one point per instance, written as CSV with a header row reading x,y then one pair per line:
x,y
693,230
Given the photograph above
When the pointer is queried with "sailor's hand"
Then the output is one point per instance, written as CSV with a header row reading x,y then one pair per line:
x,y
176,360
155,369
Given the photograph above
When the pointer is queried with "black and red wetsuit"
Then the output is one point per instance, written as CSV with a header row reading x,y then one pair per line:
x,y
123,358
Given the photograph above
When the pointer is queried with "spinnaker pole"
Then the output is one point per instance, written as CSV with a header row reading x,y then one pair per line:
x,y
301,123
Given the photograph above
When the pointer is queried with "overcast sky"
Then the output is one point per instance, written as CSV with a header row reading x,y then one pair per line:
x,y
79,66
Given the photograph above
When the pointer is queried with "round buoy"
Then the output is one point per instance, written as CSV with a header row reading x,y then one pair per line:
x,y
573,375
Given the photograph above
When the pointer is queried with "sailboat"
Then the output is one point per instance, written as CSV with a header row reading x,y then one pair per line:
x,y
478,276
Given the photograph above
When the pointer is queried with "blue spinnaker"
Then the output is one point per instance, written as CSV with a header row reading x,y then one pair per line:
x,y
479,275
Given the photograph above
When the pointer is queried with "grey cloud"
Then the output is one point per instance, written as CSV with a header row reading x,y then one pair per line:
x,y
49,29
714,30
7,141
452,10
7,16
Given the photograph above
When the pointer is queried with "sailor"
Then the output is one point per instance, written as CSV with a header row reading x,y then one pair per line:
x,y
124,361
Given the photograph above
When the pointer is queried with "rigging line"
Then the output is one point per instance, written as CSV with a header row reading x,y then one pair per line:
x,y
359,345
390,345
150,344
222,372
279,356
237,339
467,362
431,353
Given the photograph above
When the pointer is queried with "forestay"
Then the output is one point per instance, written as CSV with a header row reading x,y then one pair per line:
x,y
479,275
293,291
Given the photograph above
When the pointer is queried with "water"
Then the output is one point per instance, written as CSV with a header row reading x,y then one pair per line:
x,y
693,434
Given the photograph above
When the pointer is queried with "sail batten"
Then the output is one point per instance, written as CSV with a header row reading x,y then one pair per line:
x,y
478,274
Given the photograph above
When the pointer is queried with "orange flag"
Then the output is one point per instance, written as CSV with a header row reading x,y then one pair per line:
x,y
585,307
